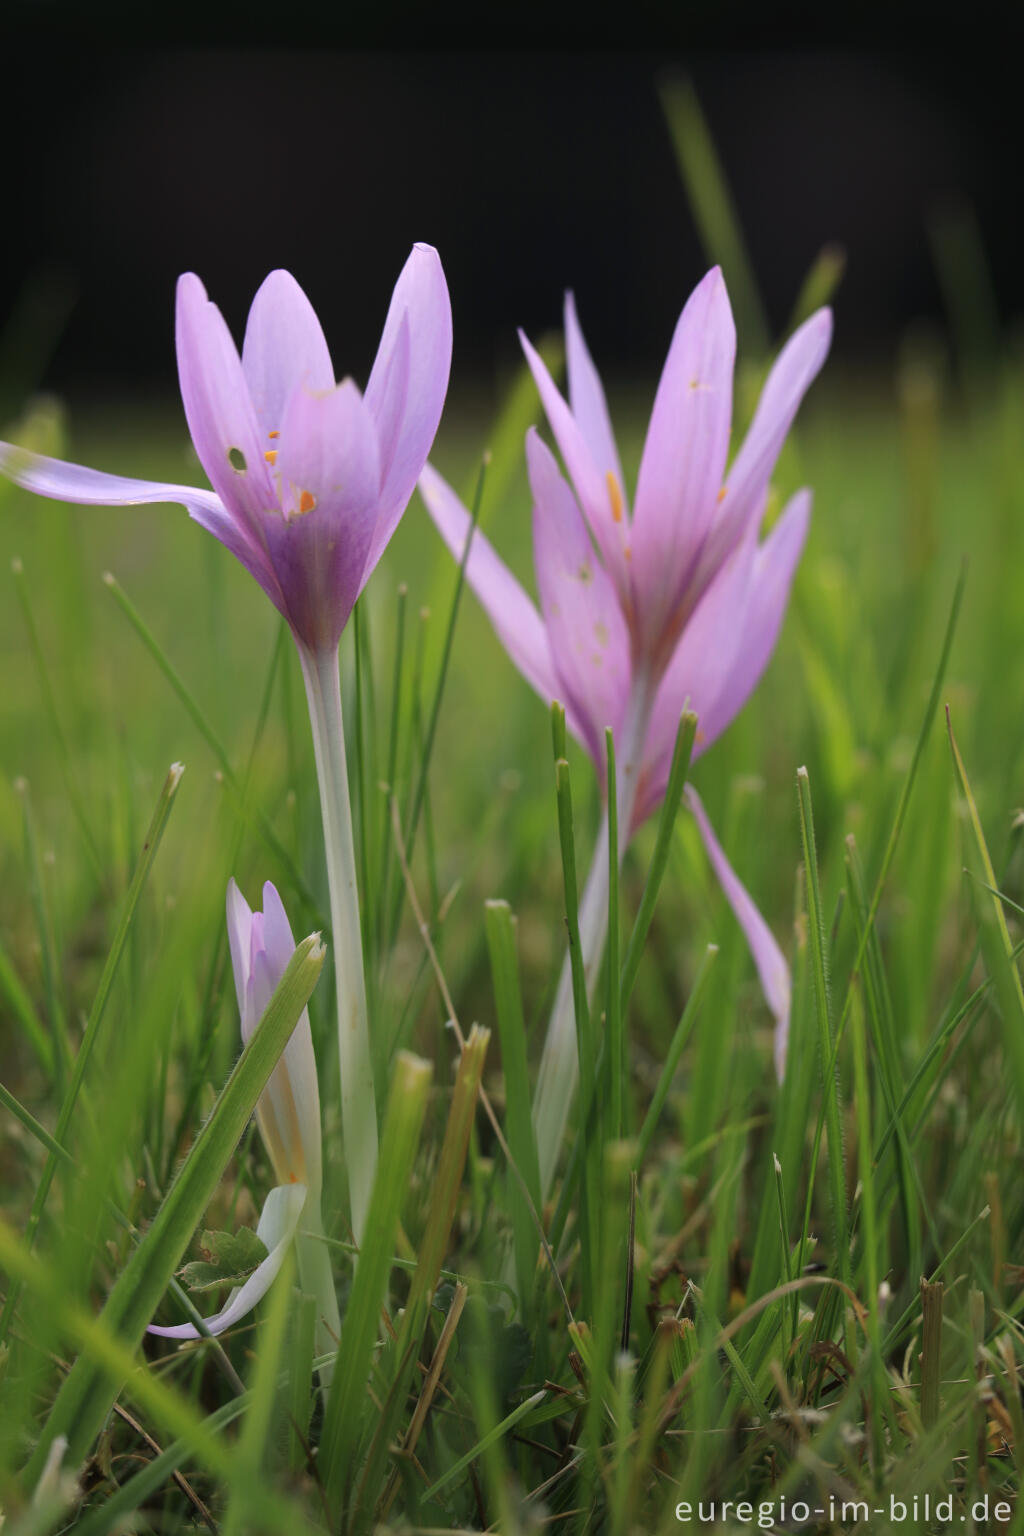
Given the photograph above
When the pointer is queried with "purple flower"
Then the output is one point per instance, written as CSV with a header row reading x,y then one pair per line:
x,y
309,477
676,603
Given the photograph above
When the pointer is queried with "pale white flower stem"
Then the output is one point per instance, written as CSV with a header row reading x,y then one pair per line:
x,y
316,1278
358,1108
559,1066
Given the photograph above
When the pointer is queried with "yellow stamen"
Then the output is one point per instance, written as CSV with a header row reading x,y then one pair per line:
x,y
307,501
616,497
271,455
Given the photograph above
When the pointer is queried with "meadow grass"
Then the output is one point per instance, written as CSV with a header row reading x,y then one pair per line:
x,y
746,1291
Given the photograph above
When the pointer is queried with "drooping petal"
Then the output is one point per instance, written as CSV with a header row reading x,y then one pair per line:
x,y
586,630
684,456
407,386
329,476
284,348
795,369
592,489
218,409
768,957
725,647
278,1224
92,487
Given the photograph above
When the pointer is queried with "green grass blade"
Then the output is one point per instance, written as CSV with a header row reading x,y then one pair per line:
x,y
149,849
675,1051
251,813
501,941
85,1397
683,751
823,1007
492,1437
347,1407
996,943
713,208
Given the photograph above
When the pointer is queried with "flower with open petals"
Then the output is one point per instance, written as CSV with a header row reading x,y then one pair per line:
x,y
309,477
645,611
288,1112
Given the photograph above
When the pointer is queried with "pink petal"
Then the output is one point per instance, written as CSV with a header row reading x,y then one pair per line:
x,y
284,349
328,472
586,397
768,957
91,487
586,630
239,916
277,1227
684,457
277,931
407,386
587,476
726,646
218,409
795,369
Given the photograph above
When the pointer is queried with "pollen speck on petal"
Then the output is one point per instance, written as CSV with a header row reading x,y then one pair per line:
x,y
271,455
307,501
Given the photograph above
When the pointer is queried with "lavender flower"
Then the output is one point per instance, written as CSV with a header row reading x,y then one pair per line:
x,y
643,613
309,479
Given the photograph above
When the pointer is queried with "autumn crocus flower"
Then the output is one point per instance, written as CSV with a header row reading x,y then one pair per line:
x,y
288,1116
309,480
674,603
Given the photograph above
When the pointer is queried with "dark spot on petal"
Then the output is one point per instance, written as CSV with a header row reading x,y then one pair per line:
x,y
236,458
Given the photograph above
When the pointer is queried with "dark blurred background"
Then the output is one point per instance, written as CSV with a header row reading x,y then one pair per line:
x,y
530,171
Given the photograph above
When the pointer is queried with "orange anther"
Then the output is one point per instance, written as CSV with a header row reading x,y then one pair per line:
x,y
307,501
616,497
721,494
273,434
271,455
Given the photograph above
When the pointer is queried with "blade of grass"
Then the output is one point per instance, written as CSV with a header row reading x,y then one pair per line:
x,y
616,1039
149,848
995,936
435,709
436,1236
682,752
713,209
65,757
348,1402
671,1063
85,1397
823,1006
501,942
251,813
584,1038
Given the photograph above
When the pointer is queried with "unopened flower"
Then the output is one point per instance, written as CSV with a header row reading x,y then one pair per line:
x,y
288,1112
645,611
